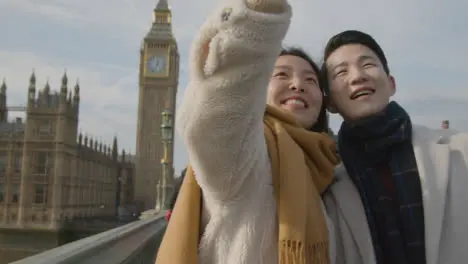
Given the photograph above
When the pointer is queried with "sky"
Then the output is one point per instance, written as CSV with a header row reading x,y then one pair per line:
x,y
98,43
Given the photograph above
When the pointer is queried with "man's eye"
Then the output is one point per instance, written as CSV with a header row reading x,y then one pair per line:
x,y
340,73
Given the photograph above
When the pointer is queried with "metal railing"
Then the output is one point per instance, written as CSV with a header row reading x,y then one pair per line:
x,y
134,243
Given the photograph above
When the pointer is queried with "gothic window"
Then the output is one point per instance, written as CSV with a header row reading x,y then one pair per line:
x,y
45,128
2,193
42,162
15,193
3,163
43,99
154,45
17,165
54,100
40,194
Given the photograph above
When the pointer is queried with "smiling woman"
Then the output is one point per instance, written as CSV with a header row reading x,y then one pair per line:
x,y
295,87
231,208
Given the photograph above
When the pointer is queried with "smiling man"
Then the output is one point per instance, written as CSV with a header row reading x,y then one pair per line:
x,y
399,195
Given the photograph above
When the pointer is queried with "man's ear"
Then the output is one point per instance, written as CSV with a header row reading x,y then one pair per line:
x,y
393,85
331,107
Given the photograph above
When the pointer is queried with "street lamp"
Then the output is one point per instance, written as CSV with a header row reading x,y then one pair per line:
x,y
167,129
166,126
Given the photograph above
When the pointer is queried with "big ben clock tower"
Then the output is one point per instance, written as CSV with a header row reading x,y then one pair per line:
x,y
158,80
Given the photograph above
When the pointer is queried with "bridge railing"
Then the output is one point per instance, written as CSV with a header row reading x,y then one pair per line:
x,y
136,242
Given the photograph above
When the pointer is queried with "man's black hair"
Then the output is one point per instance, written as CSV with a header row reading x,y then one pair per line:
x,y
351,37
322,121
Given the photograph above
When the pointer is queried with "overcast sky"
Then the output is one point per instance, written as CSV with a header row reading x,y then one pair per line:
x,y
98,41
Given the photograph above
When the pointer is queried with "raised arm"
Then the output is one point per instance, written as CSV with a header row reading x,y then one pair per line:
x,y
221,116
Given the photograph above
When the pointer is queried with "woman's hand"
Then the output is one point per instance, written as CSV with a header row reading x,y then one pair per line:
x,y
267,6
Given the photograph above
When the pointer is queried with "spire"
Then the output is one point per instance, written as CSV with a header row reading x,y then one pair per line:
x,y
3,87
32,79
65,78
47,86
114,144
63,88
77,90
114,148
32,87
162,5
161,28
123,155
3,102
32,82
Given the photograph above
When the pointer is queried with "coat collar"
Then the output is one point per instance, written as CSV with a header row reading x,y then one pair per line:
x,y
433,158
351,209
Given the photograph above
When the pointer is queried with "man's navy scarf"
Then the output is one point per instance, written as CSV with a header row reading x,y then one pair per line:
x,y
396,219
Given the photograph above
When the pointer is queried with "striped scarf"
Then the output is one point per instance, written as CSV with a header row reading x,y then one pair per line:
x,y
371,149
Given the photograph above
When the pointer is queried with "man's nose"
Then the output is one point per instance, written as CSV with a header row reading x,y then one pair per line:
x,y
357,76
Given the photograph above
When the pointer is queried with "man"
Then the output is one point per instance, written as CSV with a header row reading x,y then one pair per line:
x,y
445,124
400,194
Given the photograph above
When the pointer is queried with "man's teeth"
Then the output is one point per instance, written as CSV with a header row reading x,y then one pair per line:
x,y
294,102
363,92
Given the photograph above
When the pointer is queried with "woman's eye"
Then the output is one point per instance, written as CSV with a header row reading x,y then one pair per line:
x,y
280,74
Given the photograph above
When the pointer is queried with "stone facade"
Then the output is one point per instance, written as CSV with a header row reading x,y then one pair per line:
x,y
50,174
158,81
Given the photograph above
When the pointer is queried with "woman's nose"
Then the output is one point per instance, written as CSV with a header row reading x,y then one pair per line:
x,y
294,88
297,86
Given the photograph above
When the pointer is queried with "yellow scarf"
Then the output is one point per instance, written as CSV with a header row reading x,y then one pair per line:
x,y
302,164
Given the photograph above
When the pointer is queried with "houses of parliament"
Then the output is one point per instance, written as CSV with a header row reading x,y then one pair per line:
x,y
51,175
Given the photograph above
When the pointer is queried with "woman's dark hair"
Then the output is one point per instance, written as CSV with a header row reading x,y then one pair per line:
x,y
322,121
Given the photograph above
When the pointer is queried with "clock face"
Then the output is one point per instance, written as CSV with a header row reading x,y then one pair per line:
x,y
157,64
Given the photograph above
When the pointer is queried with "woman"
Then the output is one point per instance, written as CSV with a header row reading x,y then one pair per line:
x,y
294,58
255,194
